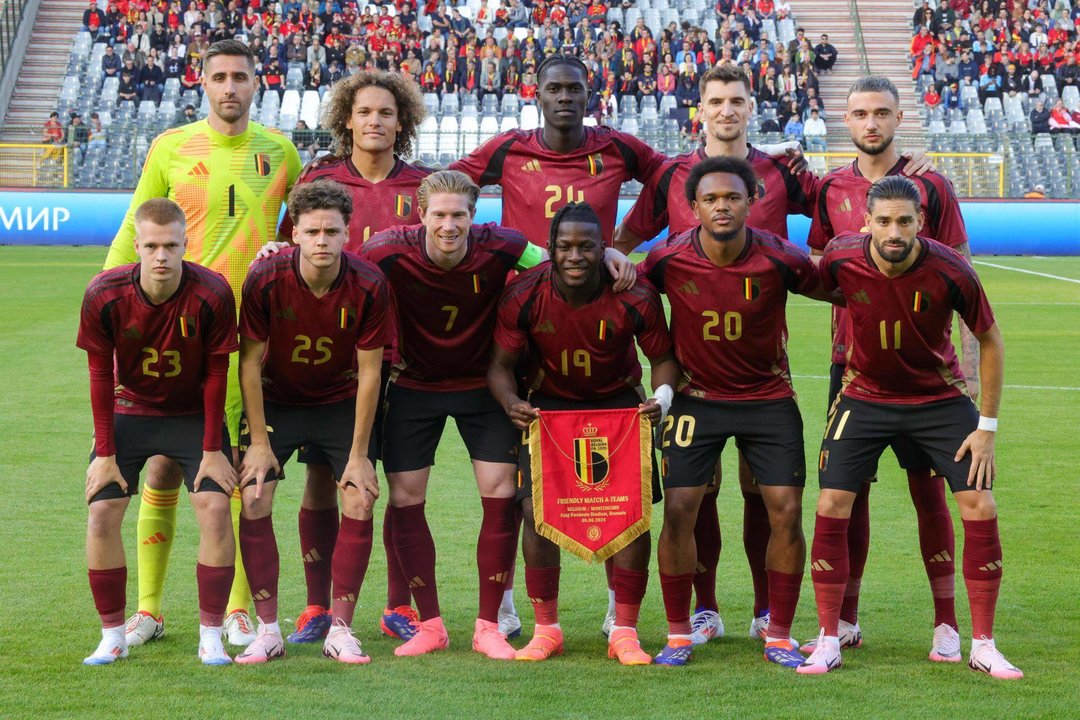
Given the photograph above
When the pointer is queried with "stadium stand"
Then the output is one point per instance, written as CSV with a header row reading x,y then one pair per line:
x,y
474,63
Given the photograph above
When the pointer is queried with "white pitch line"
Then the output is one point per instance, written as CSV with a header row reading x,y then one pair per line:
x,y
1027,272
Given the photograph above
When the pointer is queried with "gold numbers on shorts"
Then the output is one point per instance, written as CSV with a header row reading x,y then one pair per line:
x,y
883,327
731,322
556,194
160,364
304,344
684,430
453,313
577,358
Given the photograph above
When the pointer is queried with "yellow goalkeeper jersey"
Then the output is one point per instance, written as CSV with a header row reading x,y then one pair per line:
x,y
231,188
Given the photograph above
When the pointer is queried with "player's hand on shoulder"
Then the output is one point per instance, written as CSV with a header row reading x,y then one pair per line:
x,y
983,472
918,163
103,471
216,468
271,248
621,269
521,414
258,461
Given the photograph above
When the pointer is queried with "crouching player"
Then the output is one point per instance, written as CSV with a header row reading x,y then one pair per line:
x,y
313,326
567,307
167,327
903,380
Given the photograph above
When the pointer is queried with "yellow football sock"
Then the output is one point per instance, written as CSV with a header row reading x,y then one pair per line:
x,y
240,595
157,530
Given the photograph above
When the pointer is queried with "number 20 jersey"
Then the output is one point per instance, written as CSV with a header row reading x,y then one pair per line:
x,y
729,323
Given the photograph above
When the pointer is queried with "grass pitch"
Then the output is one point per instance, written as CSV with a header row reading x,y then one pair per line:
x,y
48,624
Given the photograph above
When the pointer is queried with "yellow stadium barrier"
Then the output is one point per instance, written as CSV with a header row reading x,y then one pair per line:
x,y
974,175
33,165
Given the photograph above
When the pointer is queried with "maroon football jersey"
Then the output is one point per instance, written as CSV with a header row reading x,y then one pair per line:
x,y
584,353
376,206
729,323
901,351
312,341
662,202
160,350
446,318
841,208
537,181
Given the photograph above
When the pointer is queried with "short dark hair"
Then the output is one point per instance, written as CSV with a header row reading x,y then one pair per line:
x,y
319,195
721,164
725,72
556,60
234,48
573,212
874,83
893,187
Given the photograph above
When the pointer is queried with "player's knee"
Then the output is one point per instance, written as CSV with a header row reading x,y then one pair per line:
x,y
835,503
354,503
163,473
320,490
977,505
105,518
405,489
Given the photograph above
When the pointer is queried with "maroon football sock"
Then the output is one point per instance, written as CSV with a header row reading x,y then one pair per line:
x,y
258,545
214,585
678,591
936,542
858,543
630,588
708,540
756,534
542,584
350,564
397,585
416,553
982,574
783,599
318,533
495,550
109,588
829,570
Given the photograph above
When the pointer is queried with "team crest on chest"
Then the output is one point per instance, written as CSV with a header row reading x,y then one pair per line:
x,y
605,329
262,164
479,283
920,301
187,326
596,164
403,205
591,465
751,288
760,189
346,317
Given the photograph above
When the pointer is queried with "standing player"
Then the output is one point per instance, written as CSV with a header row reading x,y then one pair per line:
x,y
373,117
230,176
546,313
727,285
167,326
903,378
447,275
872,116
313,328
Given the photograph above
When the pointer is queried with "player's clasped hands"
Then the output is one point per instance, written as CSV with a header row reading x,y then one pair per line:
x,y
216,468
103,471
258,461
983,472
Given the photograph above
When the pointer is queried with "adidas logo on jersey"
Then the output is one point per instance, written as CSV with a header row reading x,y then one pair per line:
x,y
531,166
690,287
199,170
861,297
545,327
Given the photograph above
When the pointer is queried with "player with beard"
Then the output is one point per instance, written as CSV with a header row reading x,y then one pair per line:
x,y
872,116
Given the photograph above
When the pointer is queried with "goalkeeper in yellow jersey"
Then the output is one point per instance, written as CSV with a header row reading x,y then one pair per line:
x,y
230,176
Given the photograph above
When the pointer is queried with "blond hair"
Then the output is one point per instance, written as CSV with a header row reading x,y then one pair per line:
x,y
447,181
160,211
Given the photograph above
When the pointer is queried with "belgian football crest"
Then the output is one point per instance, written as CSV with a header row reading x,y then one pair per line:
x,y
479,283
920,301
187,326
591,459
596,164
604,329
751,289
403,205
346,317
760,189
262,164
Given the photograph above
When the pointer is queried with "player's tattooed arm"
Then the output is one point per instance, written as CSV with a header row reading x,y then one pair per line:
x,y
969,344
664,372
980,443
503,387
259,459
359,472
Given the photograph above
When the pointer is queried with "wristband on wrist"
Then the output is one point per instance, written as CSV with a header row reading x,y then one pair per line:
x,y
664,395
988,424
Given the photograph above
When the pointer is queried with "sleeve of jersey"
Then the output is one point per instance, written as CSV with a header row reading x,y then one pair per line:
x,y
649,215
93,337
649,269
214,387
254,323
221,334
102,385
508,334
377,331
976,311
154,182
950,229
820,226
653,336
827,271
649,161
484,164
806,272
803,195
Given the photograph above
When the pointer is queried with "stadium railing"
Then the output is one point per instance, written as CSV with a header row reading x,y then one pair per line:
x,y
11,12
974,175
34,164
864,61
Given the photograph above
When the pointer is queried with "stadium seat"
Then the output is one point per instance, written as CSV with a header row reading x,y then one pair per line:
x,y
428,140
294,79
936,127
1049,85
448,140
1070,95
509,122
469,131
510,104
289,103
530,118
589,121
490,105
489,127
309,108
450,105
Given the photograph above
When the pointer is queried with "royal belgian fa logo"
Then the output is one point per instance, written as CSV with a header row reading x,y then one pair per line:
x,y
596,164
403,206
591,463
262,164
920,301
479,283
187,326
346,317
760,189
751,289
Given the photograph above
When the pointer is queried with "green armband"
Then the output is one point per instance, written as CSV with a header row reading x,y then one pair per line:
x,y
531,257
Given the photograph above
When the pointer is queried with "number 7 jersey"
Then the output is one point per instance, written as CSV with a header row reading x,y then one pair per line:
x,y
729,323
